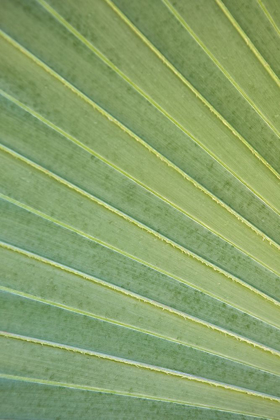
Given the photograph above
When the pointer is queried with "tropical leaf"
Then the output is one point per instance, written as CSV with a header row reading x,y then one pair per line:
x,y
140,204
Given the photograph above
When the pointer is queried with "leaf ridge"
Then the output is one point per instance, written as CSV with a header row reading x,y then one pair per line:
x,y
148,332
71,29
126,174
248,41
137,138
138,224
124,253
121,227
123,172
190,86
131,294
215,61
136,364
109,391
268,15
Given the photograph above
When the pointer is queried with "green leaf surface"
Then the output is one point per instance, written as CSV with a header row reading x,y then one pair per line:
x,y
24,399
140,209
41,359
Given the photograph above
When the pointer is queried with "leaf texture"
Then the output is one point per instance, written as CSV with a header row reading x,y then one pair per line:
x,y
140,209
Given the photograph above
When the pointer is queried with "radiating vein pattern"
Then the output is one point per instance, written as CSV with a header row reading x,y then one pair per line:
x,y
140,209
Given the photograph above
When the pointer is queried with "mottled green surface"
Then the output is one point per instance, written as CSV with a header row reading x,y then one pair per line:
x,y
140,202
23,400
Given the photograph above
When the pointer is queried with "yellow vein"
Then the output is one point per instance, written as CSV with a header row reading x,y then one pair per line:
x,y
146,96
219,65
137,224
78,387
141,365
268,15
107,162
137,297
135,137
248,41
142,330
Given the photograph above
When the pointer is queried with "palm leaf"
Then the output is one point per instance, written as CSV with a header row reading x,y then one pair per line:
x,y
140,204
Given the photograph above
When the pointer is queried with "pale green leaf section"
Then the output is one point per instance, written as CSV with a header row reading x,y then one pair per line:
x,y
73,161
227,47
180,49
137,118
201,205
101,223
272,10
140,209
95,371
149,316
61,247
28,399
34,316
187,117
255,21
